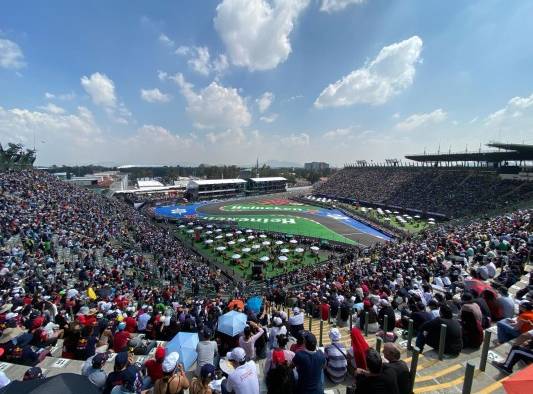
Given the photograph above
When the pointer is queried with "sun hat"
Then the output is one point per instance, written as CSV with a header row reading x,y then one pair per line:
x,y
334,334
11,333
170,362
237,354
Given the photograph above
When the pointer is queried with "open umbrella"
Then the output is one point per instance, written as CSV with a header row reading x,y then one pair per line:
x,y
68,383
181,226
519,382
256,246
279,243
231,243
266,243
236,303
232,323
314,248
293,241
285,250
185,344
236,256
262,236
208,241
241,240
246,250
264,259
282,258
208,232
299,250
254,304
221,248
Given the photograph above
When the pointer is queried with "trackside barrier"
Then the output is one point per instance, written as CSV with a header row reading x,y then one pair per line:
x,y
485,351
469,378
378,344
442,339
310,322
414,366
321,331
410,335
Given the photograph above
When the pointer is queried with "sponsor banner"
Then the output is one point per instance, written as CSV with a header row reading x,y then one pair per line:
x,y
251,219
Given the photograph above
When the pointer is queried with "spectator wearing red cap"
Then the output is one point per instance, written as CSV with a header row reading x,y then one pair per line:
x,y
121,338
154,368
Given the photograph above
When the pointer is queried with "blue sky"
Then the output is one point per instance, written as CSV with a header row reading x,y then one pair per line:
x,y
226,81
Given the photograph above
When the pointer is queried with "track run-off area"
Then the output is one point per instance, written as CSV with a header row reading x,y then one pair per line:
x,y
279,215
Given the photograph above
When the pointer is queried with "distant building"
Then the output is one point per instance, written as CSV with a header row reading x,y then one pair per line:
x,y
266,185
245,173
199,189
316,166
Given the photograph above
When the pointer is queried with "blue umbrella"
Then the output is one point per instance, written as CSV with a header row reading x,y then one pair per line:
x,y
254,304
232,323
185,344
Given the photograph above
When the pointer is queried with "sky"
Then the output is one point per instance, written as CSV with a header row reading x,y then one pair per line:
x,y
229,81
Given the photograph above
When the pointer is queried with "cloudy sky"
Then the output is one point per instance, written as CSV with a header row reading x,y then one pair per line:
x,y
226,81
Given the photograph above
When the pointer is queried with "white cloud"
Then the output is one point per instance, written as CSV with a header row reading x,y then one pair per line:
x,y
269,118
337,5
200,60
61,96
183,50
344,133
513,109
154,96
391,72
101,89
423,119
295,140
11,55
53,109
52,127
162,75
228,137
164,39
265,101
256,32
214,106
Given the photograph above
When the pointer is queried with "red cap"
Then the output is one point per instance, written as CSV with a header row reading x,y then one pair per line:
x,y
37,322
160,353
278,357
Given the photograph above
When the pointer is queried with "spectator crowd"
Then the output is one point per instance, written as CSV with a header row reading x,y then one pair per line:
x,y
106,304
452,192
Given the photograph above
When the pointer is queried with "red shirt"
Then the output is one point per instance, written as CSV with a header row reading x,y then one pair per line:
x,y
154,369
131,324
120,341
325,311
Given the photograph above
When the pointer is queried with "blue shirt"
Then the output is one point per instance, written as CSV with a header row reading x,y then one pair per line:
x,y
309,366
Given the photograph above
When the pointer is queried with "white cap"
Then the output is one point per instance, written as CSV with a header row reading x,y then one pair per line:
x,y
170,362
296,310
238,354
335,334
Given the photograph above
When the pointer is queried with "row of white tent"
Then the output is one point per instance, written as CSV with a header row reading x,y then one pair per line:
x,y
402,219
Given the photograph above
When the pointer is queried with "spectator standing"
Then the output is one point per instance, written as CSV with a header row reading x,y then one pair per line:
x,y
309,364
336,357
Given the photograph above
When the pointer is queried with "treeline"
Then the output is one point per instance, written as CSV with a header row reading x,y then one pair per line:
x,y
168,174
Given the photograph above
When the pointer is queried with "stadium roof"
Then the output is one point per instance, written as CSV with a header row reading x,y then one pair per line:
x,y
510,152
200,182
149,183
268,179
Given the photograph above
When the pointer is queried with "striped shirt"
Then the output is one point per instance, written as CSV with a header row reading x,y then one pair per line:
x,y
336,366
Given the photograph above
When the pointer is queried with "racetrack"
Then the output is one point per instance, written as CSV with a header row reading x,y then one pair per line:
x,y
331,221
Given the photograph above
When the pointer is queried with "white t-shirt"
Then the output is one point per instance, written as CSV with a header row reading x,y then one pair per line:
x,y
244,379
296,320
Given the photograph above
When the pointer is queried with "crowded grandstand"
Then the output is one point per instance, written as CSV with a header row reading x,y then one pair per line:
x,y
133,302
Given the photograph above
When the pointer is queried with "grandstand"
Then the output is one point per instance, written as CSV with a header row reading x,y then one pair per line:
x,y
266,185
87,262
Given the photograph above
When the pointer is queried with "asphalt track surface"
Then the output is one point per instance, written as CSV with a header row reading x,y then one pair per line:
x,y
337,226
